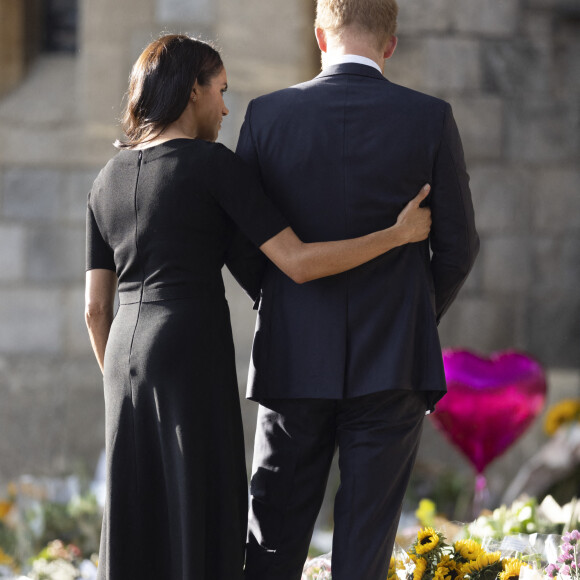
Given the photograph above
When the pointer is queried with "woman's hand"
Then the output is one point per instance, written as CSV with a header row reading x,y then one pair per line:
x,y
414,220
308,261
100,291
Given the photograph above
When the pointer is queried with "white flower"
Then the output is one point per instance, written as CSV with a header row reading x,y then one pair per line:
x,y
56,570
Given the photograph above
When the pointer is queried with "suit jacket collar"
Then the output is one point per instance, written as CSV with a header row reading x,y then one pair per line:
x,y
351,68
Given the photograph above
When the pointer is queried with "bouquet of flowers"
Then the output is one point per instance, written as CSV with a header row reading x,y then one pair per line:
x,y
435,559
566,567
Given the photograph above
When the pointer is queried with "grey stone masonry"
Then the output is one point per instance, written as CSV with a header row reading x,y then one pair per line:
x,y
511,72
12,252
32,194
486,17
31,321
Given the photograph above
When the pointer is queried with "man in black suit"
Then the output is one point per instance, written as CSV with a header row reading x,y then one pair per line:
x,y
352,361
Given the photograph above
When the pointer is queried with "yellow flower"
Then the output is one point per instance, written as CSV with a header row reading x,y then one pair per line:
x,y
6,560
482,561
426,512
563,412
392,569
468,549
420,567
511,569
5,507
447,569
427,539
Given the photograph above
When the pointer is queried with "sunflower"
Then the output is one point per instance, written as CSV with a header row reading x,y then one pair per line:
x,y
563,412
511,569
427,539
467,550
420,567
448,569
485,566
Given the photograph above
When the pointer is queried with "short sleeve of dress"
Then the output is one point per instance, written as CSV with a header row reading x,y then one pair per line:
x,y
98,253
239,192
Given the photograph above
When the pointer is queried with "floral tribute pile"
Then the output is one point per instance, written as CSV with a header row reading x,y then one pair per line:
x,y
431,557
30,520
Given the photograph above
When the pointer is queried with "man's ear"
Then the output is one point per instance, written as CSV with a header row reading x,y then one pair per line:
x,y
390,48
321,38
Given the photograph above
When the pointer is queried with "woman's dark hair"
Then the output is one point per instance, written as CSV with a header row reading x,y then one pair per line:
x,y
160,85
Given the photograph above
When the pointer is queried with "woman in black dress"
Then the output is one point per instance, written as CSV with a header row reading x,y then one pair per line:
x,y
162,220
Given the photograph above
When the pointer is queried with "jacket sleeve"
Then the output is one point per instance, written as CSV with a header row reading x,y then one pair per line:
x,y
247,264
454,240
245,261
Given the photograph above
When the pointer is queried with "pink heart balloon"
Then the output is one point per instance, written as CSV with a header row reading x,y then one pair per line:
x,y
489,403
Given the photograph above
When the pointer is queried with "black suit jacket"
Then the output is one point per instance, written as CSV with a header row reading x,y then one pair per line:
x,y
341,155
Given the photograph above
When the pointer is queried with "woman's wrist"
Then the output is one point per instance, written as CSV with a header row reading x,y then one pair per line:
x,y
397,235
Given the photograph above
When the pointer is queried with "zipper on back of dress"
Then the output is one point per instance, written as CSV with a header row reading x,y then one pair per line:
x,y
135,206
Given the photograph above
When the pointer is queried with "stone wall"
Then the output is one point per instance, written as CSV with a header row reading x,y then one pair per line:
x,y
511,71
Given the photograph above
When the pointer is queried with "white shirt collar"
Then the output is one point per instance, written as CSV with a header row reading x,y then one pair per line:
x,y
344,58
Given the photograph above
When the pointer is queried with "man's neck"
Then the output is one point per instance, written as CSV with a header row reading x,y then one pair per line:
x,y
339,47
350,58
330,55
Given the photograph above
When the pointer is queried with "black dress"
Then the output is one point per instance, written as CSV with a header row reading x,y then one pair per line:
x,y
165,220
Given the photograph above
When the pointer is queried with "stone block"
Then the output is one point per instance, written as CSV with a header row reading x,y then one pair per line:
x,y
557,264
487,17
32,194
102,101
256,55
22,145
451,65
556,200
506,262
502,198
406,66
424,16
77,185
76,337
54,408
507,66
191,11
480,123
553,327
568,58
443,66
30,321
46,98
12,252
57,254
33,419
543,131
482,324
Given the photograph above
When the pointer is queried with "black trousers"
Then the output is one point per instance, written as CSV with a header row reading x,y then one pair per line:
x,y
377,437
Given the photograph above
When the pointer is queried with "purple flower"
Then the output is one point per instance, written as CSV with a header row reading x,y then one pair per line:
x,y
566,547
552,570
566,558
565,570
571,537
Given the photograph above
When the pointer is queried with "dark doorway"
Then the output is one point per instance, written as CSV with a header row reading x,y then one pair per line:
x,y
60,25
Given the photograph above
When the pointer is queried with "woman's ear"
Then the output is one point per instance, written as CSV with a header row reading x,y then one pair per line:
x,y
193,95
